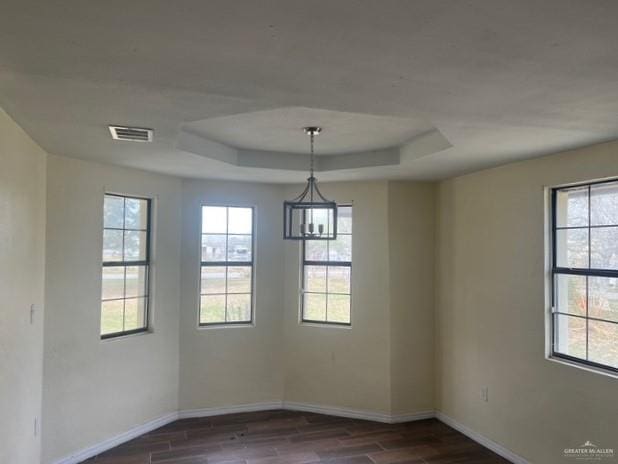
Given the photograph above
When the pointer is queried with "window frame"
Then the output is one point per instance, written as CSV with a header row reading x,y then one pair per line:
x,y
304,262
556,270
226,264
146,263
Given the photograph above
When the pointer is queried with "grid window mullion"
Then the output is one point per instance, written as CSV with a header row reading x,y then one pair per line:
x,y
228,298
124,302
587,277
124,283
327,264
227,255
226,292
124,224
142,277
580,341
587,315
326,312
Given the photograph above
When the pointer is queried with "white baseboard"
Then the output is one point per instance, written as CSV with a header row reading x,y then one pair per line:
x,y
415,416
105,445
218,411
110,443
481,439
357,413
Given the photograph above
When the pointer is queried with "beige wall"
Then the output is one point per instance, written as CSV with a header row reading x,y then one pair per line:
x,y
411,232
491,312
345,367
372,366
280,359
22,267
228,366
95,389
382,364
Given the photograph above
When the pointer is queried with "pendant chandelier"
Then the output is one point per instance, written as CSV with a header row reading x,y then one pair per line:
x,y
310,216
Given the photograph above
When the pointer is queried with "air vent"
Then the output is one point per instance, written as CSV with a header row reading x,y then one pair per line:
x,y
131,134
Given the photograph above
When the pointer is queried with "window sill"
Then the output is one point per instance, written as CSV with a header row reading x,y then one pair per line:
x,y
225,326
124,336
325,325
582,366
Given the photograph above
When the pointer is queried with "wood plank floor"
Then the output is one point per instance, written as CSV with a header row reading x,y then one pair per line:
x,y
282,437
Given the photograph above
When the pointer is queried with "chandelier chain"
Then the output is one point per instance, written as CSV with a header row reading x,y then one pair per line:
x,y
312,135
298,214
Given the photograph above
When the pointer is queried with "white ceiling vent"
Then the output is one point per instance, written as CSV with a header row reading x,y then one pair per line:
x,y
131,134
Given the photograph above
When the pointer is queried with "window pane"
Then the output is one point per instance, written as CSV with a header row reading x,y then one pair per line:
x,y
314,307
604,204
240,221
315,279
112,245
214,220
344,220
113,212
572,207
603,298
213,279
239,280
136,214
111,316
571,294
238,308
339,308
112,285
572,248
135,313
213,247
136,281
570,335
316,250
604,248
124,289
212,309
239,248
340,249
338,279
603,343
134,245
226,238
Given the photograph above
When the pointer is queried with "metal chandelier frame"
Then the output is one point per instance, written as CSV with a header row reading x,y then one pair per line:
x,y
305,204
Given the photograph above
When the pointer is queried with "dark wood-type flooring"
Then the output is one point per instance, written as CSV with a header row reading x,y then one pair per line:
x,y
281,437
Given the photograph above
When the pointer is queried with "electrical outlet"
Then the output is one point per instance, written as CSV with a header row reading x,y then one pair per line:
x,y
485,394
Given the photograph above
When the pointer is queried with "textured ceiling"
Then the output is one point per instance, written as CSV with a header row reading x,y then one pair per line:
x,y
501,80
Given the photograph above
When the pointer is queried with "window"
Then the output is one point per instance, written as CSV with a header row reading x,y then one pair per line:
x,y
126,264
226,288
326,275
585,274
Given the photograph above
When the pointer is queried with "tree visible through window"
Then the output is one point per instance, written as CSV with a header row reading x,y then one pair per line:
x,y
327,272
585,274
126,262
226,287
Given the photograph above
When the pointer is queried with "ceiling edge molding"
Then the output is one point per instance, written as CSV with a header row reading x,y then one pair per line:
x,y
365,159
273,160
422,145
193,143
